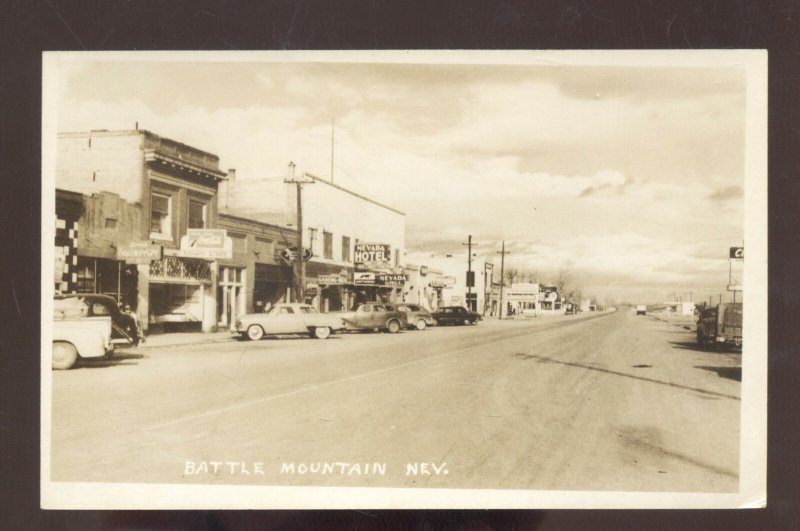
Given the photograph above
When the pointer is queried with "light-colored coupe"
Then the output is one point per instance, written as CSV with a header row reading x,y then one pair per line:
x,y
286,319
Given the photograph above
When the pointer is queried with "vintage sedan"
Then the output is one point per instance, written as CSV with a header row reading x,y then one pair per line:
x,y
375,316
455,315
288,319
124,330
418,317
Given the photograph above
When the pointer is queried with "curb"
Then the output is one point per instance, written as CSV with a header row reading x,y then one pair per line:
x,y
147,346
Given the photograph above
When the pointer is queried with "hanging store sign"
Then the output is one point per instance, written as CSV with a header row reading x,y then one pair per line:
x,y
332,279
290,254
362,279
210,244
395,281
141,252
444,282
423,271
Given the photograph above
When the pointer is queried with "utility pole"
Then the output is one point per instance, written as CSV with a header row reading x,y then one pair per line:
x,y
331,150
502,254
470,276
300,265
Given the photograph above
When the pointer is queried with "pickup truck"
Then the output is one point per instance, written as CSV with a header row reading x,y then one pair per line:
x,y
374,316
720,325
76,335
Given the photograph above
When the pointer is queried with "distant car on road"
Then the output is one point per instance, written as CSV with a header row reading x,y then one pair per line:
x,y
375,316
418,317
455,315
288,319
641,310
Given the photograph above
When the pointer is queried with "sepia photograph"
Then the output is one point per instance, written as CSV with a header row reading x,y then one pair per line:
x,y
450,279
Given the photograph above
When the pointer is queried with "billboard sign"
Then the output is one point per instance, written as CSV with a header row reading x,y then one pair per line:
x,y
210,244
141,252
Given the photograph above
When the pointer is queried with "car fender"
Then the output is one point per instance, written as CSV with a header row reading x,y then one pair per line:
x,y
88,342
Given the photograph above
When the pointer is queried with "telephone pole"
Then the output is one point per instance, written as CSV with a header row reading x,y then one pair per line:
x,y
502,254
331,149
470,275
300,265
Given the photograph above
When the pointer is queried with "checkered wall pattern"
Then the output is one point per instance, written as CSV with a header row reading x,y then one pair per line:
x,y
66,255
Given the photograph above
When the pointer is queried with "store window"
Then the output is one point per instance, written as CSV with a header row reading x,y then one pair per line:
x,y
197,214
327,239
346,248
160,215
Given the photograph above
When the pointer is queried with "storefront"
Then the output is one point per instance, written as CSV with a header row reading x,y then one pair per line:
x,y
273,284
180,293
329,287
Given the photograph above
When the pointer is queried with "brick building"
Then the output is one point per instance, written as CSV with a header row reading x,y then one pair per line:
x,y
138,187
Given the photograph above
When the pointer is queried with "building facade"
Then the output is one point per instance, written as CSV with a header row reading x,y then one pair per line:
x,y
143,190
451,284
256,277
339,227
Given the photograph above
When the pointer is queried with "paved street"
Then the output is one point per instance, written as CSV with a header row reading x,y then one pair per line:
x,y
590,402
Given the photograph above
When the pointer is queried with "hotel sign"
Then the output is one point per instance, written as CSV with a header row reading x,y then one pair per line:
x,y
372,255
141,252
210,244
395,281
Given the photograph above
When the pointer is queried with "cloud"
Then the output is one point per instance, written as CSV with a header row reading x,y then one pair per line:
x,y
726,194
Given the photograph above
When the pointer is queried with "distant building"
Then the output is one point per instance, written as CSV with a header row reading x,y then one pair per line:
x,y
452,285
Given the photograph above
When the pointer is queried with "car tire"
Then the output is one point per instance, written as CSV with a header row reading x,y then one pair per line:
x,y
322,332
255,332
421,324
64,355
393,326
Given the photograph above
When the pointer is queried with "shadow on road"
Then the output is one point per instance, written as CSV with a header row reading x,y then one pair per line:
x,y
692,345
119,358
542,359
731,373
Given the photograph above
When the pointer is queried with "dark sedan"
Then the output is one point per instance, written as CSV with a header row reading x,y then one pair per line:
x,y
455,315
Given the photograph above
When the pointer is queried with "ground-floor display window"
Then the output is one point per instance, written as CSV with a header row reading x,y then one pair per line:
x,y
176,303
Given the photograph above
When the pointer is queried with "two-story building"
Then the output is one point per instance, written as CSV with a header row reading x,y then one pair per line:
x,y
148,191
357,242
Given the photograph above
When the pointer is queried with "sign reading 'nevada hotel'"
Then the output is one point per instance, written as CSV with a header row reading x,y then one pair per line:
x,y
372,253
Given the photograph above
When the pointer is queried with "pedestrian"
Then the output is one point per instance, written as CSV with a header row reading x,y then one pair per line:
x,y
137,325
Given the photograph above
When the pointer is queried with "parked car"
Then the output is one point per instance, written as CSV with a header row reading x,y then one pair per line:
x,y
417,316
455,315
124,330
288,319
720,325
76,335
375,316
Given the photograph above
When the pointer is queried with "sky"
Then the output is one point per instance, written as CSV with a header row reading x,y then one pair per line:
x,y
630,178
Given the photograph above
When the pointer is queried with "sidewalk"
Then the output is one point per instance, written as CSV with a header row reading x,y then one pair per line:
x,y
184,338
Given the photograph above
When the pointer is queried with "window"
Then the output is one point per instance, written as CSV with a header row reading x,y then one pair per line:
x,y
308,309
345,248
312,236
161,215
327,240
285,310
100,309
397,257
197,214
111,223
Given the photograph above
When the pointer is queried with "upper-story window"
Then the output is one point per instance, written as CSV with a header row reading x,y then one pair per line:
x,y
327,240
197,214
345,248
312,236
160,215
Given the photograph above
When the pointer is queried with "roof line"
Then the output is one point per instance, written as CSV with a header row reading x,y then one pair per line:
x,y
343,189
